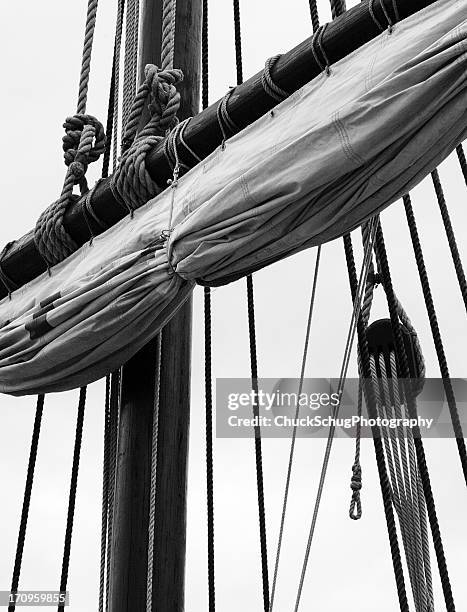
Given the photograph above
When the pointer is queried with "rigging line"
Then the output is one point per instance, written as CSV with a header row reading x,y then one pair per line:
x,y
258,449
342,377
436,334
26,499
412,407
462,161
314,15
294,431
117,52
456,258
378,446
253,358
105,494
86,57
208,350
153,484
113,447
72,496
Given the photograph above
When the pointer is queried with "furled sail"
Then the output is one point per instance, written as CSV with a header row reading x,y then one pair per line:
x,y
330,156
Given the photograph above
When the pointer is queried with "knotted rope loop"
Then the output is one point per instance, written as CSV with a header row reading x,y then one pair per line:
x,y
270,87
317,48
83,143
355,510
131,182
159,92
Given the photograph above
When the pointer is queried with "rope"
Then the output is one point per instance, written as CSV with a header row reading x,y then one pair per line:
x,y
130,58
258,449
87,54
131,183
223,116
209,447
113,447
379,450
26,499
420,452
168,34
208,350
357,299
105,495
314,15
72,496
337,8
294,431
355,509
153,485
83,143
462,161
270,87
436,334
117,52
456,258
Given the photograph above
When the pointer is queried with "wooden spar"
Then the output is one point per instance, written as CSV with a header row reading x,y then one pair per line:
x,y
350,31
128,582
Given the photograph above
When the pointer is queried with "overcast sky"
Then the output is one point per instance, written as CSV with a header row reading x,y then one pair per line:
x,y
350,563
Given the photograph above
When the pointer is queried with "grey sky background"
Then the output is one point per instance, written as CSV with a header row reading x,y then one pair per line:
x,y
350,565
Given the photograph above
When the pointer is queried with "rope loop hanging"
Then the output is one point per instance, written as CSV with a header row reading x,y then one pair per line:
x,y
318,50
270,87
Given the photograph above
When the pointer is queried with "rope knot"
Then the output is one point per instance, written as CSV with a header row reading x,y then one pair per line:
x,y
355,510
164,99
83,143
356,481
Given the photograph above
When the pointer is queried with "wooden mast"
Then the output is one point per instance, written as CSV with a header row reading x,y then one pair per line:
x,y
139,383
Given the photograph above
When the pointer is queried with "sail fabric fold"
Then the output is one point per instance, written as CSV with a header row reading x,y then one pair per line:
x,y
332,155
98,308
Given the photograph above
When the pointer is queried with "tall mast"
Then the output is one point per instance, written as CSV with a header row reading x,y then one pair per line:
x,y
128,580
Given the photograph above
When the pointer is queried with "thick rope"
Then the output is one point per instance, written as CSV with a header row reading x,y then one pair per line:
x,y
420,451
87,55
314,15
294,431
72,496
130,58
117,53
131,183
379,450
26,499
83,143
169,10
436,334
